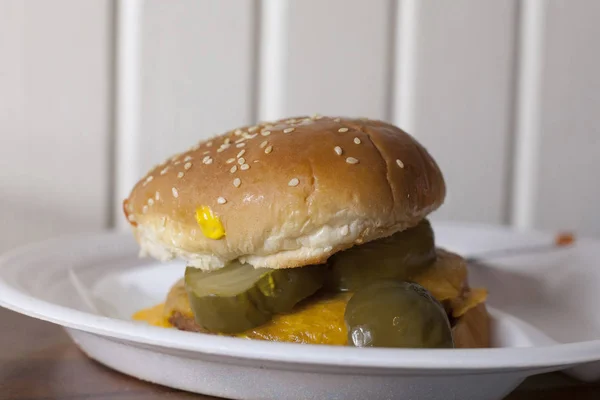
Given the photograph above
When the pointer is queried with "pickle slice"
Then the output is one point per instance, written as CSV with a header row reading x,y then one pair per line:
x,y
397,314
239,297
398,257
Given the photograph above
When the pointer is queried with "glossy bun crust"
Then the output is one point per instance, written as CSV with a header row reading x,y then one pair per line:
x,y
287,193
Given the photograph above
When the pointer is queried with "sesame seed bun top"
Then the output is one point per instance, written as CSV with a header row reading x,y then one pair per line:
x,y
285,194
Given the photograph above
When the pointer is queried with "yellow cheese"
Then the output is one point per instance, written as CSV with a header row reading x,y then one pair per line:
x,y
470,299
446,278
153,316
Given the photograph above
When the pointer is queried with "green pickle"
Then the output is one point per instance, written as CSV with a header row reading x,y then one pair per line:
x,y
397,257
397,314
239,297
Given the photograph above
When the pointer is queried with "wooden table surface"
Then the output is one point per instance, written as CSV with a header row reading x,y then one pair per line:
x,y
39,362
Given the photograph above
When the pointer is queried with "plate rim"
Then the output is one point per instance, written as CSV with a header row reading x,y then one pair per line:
x,y
489,359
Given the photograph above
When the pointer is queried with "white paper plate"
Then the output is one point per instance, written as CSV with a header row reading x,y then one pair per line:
x,y
556,293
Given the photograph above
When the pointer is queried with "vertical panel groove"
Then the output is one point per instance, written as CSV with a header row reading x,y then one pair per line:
x,y
273,41
128,93
405,64
512,113
391,59
111,147
256,54
527,113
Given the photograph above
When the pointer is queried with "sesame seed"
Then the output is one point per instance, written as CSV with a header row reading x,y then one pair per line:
x,y
206,152
157,196
241,161
255,161
131,217
180,174
290,121
356,140
293,182
268,127
237,132
187,165
289,130
220,150
338,150
226,141
233,169
337,120
351,160
400,163
195,147
252,128
342,130
150,201
244,167
209,161
148,179
317,116
164,171
177,163
187,158
240,140
144,209
230,160
237,182
344,230
221,200
209,144
241,153
265,133
175,192
268,149
129,207
263,144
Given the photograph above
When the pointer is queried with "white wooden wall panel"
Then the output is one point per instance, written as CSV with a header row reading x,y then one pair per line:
x,y
197,71
568,188
187,71
328,57
55,71
454,89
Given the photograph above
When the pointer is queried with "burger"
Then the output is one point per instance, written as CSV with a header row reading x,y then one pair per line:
x,y
309,230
